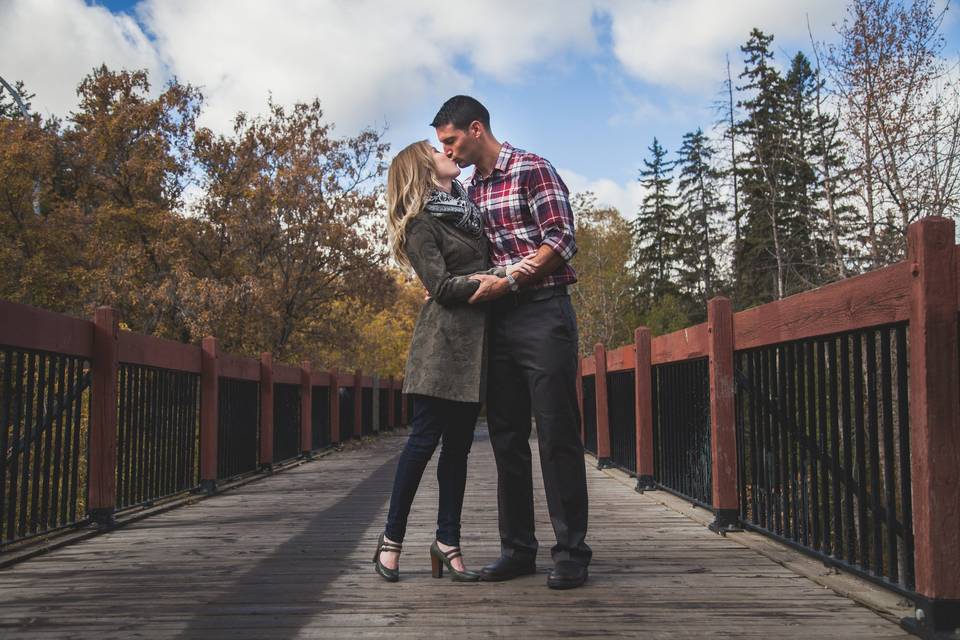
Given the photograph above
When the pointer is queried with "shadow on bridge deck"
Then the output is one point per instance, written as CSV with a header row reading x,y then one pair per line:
x,y
289,557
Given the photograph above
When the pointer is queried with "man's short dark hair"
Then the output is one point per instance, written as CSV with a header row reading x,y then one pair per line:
x,y
460,111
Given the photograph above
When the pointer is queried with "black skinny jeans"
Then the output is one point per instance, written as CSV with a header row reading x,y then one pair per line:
x,y
434,418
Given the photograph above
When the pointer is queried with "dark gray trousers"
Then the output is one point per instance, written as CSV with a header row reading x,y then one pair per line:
x,y
533,367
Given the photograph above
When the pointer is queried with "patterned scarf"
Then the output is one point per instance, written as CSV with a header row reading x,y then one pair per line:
x,y
457,209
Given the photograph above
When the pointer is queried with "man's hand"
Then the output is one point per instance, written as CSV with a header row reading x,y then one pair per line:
x,y
491,288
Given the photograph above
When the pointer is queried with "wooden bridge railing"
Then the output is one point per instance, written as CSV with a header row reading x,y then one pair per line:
x,y
94,420
829,420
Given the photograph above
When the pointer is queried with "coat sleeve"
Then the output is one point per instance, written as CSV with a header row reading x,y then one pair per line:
x,y
427,261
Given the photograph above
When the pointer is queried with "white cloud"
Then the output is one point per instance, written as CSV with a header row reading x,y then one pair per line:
x,y
371,61
368,61
681,44
52,44
626,198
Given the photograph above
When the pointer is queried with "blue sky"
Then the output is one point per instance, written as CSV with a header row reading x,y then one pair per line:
x,y
587,86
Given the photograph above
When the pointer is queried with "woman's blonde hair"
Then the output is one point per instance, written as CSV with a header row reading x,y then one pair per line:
x,y
411,179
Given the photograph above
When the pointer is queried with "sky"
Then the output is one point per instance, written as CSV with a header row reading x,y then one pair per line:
x,y
586,84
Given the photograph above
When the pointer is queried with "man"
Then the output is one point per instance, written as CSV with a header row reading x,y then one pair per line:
x,y
533,343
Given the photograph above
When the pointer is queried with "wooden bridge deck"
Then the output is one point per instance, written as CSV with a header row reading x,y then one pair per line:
x,y
289,557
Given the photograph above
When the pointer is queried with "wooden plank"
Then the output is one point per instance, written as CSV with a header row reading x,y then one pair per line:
x,y
643,394
875,298
588,366
26,327
102,454
209,413
685,344
935,410
151,351
240,368
621,359
723,435
285,374
603,402
289,556
320,378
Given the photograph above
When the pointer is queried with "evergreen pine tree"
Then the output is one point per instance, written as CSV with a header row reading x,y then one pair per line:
x,y
655,230
761,257
701,211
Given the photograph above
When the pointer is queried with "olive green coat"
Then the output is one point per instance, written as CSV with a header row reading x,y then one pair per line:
x,y
448,350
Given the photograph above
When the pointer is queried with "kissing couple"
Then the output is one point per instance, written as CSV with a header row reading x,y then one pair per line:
x,y
498,327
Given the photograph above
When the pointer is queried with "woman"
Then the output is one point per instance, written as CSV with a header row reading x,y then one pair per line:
x,y
435,229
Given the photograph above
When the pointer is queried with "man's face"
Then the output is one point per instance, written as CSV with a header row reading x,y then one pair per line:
x,y
459,145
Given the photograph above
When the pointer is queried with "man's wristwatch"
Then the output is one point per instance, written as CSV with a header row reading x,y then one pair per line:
x,y
512,282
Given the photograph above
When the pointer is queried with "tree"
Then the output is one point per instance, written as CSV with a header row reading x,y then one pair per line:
x,y
288,224
903,114
602,294
9,107
655,230
701,210
761,258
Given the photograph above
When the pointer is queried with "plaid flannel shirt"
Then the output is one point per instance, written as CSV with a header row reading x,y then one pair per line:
x,y
525,204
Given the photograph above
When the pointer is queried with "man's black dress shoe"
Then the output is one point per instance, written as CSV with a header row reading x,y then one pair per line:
x,y
507,568
567,574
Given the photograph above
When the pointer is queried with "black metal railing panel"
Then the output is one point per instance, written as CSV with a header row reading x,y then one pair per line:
x,y
320,420
44,409
384,408
286,421
681,428
238,428
824,445
623,422
366,411
590,413
346,414
158,427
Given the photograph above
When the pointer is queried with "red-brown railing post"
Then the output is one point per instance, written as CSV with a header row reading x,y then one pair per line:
x,y
583,429
723,434
357,403
404,418
334,406
603,413
209,421
643,407
306,410
391,403
266,410
102,456
935,421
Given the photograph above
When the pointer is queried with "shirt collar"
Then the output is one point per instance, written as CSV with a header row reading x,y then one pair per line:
x,y
503,159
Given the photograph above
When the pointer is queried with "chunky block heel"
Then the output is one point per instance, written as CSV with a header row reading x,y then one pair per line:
x,y
440,559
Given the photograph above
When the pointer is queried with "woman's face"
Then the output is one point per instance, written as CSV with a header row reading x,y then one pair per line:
x,y
447,169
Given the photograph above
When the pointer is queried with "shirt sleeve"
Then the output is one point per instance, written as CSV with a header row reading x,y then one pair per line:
x,y
549,202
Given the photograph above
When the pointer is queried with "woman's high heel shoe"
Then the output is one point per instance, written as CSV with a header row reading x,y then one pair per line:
x,y
388,574
440,559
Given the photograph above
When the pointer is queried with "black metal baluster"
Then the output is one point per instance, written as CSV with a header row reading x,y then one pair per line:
x,y
822,452
834,405
845,399
57,472
889,485
802,453
874,451
5,426
903,429
861,446
76,376
25,446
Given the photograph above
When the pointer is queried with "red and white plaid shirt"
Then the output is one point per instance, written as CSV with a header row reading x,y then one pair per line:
x,y
525,204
